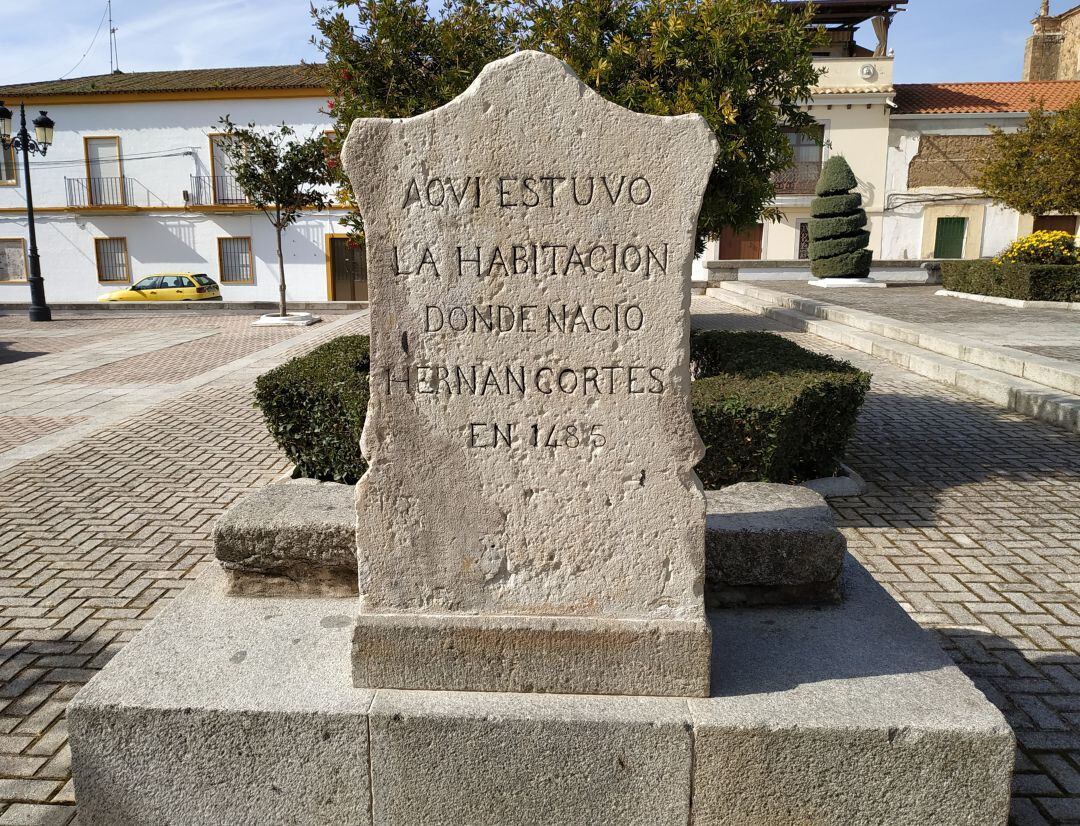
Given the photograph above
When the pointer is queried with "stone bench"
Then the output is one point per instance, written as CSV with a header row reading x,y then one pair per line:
x,y
764,544
290,539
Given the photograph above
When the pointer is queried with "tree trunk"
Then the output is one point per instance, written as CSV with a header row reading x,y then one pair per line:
x,y
281,276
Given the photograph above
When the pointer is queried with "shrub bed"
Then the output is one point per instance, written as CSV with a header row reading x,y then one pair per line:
x,y
315,406
766,409
1027,282
769,410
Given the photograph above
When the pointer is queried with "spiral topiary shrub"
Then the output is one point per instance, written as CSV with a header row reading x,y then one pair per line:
x,y
837,226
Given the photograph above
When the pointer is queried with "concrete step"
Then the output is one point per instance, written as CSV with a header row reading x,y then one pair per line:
x,y
1041,401
1043,370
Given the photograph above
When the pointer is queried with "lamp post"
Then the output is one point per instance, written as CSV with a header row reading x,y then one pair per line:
x,y
39,144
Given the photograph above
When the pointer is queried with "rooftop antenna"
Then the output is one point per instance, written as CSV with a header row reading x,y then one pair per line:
x,y
114,57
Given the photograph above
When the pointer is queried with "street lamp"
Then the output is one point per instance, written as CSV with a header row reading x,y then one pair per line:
x,y
39,144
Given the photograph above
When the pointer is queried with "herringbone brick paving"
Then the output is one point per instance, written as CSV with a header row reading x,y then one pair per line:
x,y
972,520
17,430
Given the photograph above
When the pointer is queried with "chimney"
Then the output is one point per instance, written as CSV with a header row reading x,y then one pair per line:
x,y
1042,57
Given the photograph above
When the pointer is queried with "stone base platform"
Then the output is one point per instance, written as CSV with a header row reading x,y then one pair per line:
x,y
241,710
561,655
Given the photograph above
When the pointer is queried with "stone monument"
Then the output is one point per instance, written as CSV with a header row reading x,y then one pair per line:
x,y
531,520
531,532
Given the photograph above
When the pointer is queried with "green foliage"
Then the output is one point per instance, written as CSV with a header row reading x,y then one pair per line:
x,y
315,406
767,409
280,174
846,226
1026,282
836,246
745,65
1036,171
770,411
837,225
1046,247
836,178
826,205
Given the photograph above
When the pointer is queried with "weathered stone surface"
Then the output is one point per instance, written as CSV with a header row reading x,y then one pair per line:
x,y
296,537
226,710
523,760
771,544
845,715
587,655
529,435
240,710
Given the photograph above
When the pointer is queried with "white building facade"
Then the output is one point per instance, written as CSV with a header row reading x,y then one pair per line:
x,y
940,134
133,186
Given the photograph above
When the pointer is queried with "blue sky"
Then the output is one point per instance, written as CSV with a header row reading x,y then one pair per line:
x,y
934,40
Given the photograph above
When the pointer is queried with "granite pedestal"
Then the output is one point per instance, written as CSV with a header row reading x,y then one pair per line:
x,y
241,710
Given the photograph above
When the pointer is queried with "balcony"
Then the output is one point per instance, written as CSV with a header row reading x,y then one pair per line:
x,y
799,179
108,193
215,190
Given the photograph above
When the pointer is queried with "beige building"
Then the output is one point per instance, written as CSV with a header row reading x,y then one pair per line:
x,y
1053,50
851,104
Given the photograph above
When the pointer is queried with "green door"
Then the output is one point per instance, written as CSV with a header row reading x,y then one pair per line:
x,y
950,238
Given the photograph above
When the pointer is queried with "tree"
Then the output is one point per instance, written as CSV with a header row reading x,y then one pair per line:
x,y
745,65
281,174
837,225
1036,170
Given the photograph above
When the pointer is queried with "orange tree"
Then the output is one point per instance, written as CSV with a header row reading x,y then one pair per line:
x,y
745,65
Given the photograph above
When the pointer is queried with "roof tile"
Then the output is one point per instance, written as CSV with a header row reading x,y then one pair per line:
x,y
978,98
296,76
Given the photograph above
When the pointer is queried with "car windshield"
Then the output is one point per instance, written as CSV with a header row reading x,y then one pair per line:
x,y
206,281
147,283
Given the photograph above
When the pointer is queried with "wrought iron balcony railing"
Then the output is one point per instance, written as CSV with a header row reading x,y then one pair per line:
x,y
800,179
210,190
100,192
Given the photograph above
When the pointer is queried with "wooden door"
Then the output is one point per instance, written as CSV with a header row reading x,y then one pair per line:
x,y
348,271
1056,223
740,246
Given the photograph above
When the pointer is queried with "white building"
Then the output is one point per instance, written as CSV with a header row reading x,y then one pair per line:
x,y
939,136
133,185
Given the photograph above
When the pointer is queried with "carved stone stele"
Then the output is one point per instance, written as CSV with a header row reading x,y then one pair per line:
x,y
531,520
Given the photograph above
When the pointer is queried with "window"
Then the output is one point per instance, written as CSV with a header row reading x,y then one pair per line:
x,y
104,173
112,259
950,238
204,279
806,149
12,259
175,282
7,166
1055,223
225,188
804,240
151,283
234,261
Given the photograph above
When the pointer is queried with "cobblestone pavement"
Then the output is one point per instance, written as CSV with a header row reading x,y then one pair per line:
x,y
972,520
1050,332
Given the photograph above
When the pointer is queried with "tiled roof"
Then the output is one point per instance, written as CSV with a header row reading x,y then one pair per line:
x,y
297,76
978,98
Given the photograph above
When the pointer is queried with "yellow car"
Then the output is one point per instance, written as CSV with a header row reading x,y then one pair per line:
x,y
168,286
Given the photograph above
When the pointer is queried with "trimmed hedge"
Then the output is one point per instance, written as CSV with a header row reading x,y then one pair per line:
x,y
821,229
766,409
828,205
315,406
769,410
1027,282
836,246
